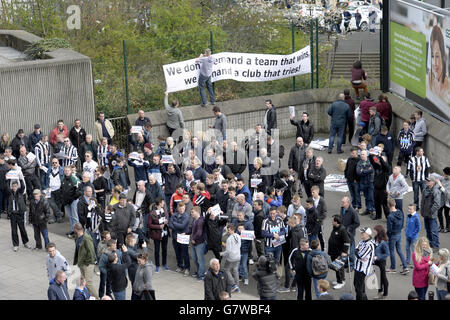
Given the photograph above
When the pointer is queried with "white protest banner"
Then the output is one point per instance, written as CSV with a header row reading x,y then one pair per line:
x,y
12,175
276,242
255,182
245,67
247,235
183,239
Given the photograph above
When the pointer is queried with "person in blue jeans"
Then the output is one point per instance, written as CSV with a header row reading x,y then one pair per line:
x,y
365,171
117,273
206,62
315,250
353,178
245,247
430,205
198,245
340,114
412,230
395,223
179,224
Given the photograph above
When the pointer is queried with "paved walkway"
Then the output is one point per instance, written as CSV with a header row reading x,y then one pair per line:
x,y
23,275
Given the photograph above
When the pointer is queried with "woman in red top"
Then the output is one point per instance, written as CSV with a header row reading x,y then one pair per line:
x,y
422,259
385,109
358,75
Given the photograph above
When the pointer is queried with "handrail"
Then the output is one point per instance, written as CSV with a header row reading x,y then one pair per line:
x,y
332,60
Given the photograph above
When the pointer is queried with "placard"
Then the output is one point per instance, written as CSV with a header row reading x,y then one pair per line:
x,y
277,243
434,269
247,235
136,129
292,111
215,210
12,175
166,158
183,239
31,156
133,156
255,182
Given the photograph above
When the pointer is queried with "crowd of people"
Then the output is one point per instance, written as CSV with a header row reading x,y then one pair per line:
x,y
190,187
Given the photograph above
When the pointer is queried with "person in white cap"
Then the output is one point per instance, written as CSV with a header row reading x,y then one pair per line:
x,y
364,252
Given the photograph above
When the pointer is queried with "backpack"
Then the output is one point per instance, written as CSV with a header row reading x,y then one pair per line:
x,y
319,265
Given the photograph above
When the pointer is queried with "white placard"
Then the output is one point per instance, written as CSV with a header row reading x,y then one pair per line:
x,y
162,220
255,182
277,243
182,239
215,210
166,158
12,175
133,156
292,111
247,235
31,156
245,67
136,129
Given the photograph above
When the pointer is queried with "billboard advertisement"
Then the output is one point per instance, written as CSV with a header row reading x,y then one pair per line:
x,y
419,41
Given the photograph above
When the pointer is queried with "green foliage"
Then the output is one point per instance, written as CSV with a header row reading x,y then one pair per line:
x,y
37,49
158,32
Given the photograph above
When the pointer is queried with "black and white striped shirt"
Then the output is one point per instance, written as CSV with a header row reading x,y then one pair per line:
x,y
365,252
101,154
72,152
42,152
413,165
269,227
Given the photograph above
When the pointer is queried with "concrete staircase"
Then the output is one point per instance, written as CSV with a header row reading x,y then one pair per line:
x,y
342,65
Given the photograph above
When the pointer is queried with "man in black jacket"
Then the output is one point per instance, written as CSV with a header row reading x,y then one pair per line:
x,y
312,223
238,163
28,170
19,140
16,212
321,210
380,179
338,245
350,221
39,215
305,128
296,157
83,207
316,176
3,193
77,134
297,263
270,117
353,178
70,194
88,145
258,219
216,281
123,220
267,280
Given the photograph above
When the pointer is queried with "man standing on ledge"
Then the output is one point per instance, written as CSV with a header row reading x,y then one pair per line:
x,y
206,64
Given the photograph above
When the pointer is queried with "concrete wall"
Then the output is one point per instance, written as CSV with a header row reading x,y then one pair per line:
x,y
246,113
44,91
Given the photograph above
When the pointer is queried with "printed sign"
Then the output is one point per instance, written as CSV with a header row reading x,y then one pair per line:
x,y
247,235
183,239
166,159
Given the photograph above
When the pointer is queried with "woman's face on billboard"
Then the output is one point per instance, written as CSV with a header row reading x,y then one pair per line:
x,y
436,59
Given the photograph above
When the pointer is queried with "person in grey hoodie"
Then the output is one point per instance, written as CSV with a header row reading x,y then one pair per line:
x,y
55,261
397,187
232,255
174,115
420,129
443,276
220,124
143,281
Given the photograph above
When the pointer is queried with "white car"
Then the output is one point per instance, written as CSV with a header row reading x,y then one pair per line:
x,y
364,10
307,10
